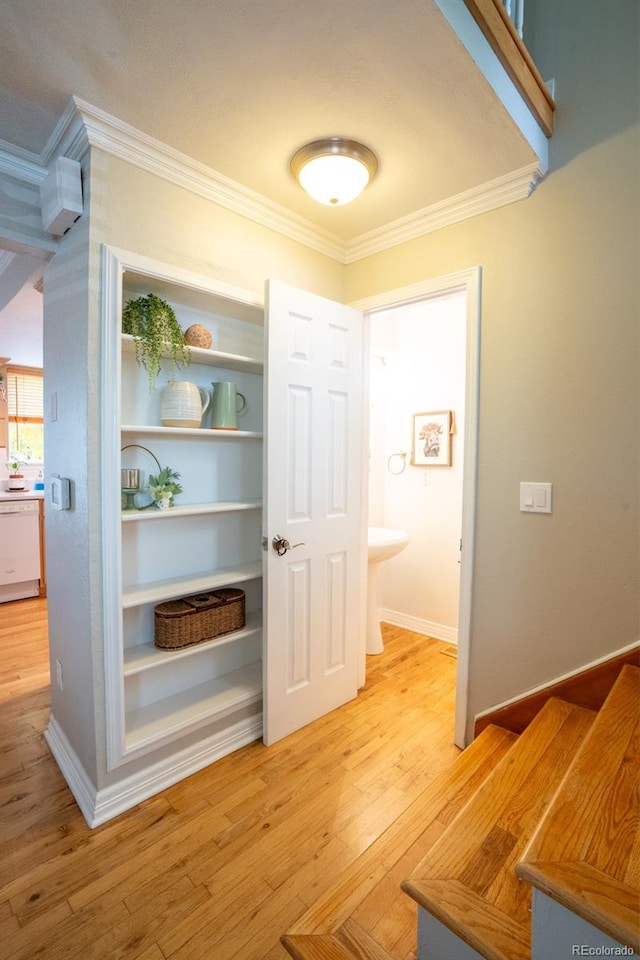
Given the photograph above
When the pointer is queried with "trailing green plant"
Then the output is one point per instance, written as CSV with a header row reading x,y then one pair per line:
x,y
154,326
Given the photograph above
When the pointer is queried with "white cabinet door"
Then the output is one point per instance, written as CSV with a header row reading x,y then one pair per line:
x,y
312,499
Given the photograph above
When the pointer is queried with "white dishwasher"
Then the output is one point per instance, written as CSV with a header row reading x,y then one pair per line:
x,y
19,549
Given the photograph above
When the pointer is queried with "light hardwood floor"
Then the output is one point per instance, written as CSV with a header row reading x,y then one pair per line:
x,y
220,865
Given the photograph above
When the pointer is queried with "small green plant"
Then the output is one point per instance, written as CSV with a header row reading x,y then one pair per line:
x,y
154,326
164,487
18,459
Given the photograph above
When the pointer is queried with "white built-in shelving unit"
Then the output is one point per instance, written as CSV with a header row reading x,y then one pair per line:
x,y
207,695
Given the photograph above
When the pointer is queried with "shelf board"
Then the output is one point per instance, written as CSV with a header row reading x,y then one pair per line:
x,y
190,510
160,590
203,432
146,656
212,358
190,708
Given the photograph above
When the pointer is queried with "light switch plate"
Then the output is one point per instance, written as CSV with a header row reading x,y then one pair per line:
x,y
535,497
59,493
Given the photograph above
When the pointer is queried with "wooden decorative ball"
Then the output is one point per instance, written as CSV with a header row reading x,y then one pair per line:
x,y
198,336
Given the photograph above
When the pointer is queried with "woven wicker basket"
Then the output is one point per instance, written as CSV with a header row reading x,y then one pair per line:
x,y
180,623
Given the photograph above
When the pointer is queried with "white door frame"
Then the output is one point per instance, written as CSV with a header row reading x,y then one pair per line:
x,y
468,282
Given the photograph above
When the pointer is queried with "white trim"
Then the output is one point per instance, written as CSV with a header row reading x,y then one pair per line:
x,y
364,501
82,125
509,188
69,137
125,142
114,800
138,263
469,495
72,770
438,631
21,164
111,310
551,683
423,290
98,806
468,281
121,140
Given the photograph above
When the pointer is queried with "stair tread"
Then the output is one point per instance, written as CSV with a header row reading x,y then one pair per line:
x,y
487,929
593,868
316,947
362,945
351,942
327,923
469,872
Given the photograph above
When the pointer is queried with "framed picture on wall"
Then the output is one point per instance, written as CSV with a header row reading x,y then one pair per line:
x,y
431,446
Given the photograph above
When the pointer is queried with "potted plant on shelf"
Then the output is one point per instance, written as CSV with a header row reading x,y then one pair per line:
x,y
164,487
154,326
16,479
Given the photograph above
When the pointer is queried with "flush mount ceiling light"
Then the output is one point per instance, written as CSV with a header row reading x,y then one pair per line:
x,y
335,170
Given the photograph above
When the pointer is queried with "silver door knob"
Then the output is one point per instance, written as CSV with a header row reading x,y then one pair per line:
x,y
281,545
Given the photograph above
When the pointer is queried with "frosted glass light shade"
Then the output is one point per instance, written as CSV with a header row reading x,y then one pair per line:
x,y
334,171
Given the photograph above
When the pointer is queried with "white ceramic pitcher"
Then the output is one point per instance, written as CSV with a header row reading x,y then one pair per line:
x,y
183,404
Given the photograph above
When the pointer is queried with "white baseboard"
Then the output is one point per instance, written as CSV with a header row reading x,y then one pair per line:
x,y
72,770
98,806
439,631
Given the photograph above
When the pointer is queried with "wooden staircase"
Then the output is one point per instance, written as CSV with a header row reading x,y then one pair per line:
x,y
554,810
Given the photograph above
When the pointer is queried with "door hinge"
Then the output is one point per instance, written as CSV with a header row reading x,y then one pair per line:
x,y
265,544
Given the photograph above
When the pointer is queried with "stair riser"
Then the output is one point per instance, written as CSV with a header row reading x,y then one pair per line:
x,y
437,942
559,934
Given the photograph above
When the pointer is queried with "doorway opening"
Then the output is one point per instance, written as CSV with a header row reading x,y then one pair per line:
x,y
23,581
442,316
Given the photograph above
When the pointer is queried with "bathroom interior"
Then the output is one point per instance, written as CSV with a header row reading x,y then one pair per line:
x,y
417,366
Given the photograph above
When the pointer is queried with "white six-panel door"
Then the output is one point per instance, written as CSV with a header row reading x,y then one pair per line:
x,y
312,500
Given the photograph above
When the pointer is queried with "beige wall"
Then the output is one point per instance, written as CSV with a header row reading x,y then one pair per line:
x,y
559,372
143,213
72,446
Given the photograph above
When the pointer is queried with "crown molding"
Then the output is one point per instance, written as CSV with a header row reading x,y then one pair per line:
x,y
69,138
514,186
82,126
121,140
21,164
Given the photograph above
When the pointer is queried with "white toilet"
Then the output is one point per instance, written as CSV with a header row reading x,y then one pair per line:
x,y
383,543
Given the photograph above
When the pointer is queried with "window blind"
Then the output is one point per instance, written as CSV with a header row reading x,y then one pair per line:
x,y
24,395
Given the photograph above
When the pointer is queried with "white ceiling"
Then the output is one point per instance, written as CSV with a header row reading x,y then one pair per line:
x,y
239,85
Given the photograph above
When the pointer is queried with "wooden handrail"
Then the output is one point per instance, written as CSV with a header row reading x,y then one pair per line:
x,y
503,37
